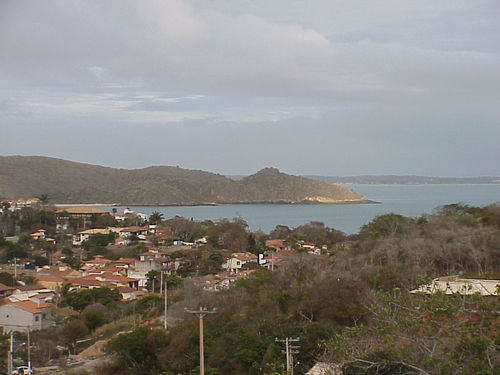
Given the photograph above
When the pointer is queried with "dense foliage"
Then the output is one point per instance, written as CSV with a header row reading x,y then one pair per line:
x,y
353,307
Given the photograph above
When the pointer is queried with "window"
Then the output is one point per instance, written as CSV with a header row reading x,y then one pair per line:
x,y
37,318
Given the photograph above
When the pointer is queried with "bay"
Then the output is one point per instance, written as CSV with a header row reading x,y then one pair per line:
x,y
407,200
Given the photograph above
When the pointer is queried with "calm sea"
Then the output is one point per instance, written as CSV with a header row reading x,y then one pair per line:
x,y
407,200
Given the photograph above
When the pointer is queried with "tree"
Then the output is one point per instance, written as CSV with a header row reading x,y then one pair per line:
x,y
95,315
211,264
384,225
156,218
44,199
153,282
419,334
104,221
7,279
139,349
84,298
186,230
229,235
99,240
74,330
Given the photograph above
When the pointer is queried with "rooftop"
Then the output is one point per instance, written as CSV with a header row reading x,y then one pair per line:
x,y
29,306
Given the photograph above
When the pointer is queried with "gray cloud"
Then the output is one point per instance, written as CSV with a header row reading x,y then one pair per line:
x,y
329,87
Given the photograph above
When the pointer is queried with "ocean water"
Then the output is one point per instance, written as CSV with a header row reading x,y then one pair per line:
x,y
407,200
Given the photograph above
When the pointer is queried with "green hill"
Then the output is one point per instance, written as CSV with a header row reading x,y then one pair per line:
x,y
70,182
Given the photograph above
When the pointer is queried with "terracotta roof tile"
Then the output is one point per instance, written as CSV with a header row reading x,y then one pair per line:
x,y
29,306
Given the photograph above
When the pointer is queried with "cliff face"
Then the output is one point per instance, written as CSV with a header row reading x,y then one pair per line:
x,y
70,182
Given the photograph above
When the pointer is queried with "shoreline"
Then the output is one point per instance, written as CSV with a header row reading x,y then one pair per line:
x,y
307,202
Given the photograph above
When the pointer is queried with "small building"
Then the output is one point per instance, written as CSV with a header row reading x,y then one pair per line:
x,y
128,293
155,264
307,246
82,236
272,260
98,262
237,260
50,282
23,315
38,235
139,232
465,287
82,212
127,213
325,368
80,216
277,245
39,296
151,254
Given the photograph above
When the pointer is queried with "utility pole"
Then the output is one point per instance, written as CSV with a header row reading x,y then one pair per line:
x,y
161,282
29,350
201,312
10,353
166,300
10,365
15,271
290,350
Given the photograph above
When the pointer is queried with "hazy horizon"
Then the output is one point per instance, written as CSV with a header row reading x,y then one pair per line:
x,y
241,175
331,88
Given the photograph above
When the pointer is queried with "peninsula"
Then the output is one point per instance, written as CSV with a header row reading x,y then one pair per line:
x,y
70,182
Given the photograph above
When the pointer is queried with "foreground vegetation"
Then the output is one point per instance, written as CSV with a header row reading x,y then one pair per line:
x,y
352,307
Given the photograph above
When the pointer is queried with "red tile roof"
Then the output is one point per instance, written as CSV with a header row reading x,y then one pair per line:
x,y
29,306
4,288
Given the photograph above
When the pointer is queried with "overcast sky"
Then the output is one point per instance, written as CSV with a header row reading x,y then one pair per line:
x,y
329,87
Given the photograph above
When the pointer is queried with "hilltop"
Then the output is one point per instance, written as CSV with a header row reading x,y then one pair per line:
x,y
71,182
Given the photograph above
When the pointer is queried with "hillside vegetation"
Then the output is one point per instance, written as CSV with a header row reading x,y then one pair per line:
x,y
69,182
352,307
350,304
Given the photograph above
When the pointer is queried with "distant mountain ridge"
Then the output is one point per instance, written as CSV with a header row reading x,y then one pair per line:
x,y
70,182
405,180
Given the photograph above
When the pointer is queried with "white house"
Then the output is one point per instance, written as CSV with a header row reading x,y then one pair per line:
x,y
127,213
23,315
325,368
140,232
38,235
237,260
85,235
454,284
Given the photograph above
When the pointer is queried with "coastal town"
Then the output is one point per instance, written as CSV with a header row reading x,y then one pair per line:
x,y
164,252
249,187
86,275
59,251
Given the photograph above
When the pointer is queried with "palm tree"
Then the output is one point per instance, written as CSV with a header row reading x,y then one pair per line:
x,y
44,199
156,217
